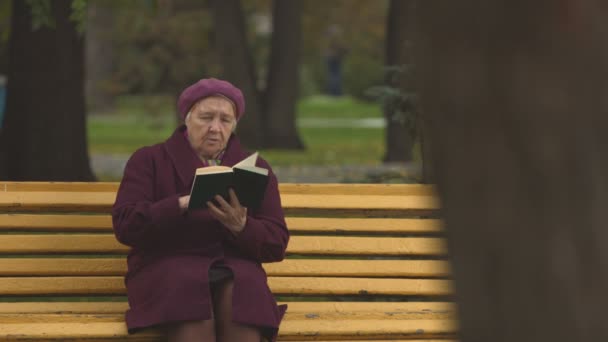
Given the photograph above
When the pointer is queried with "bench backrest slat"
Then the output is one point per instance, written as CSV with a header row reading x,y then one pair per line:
x,y
291,267
316,245
103,223
35,201
284,188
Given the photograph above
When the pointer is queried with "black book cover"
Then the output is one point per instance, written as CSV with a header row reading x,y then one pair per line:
x,y
248,181
206,186
250,187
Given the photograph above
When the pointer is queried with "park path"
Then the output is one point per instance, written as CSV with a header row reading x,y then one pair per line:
x,y
111,166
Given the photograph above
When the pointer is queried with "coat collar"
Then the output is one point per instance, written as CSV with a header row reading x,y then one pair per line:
x,y
185,159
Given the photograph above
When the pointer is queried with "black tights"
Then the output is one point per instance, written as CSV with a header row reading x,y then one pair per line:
x,y
220,327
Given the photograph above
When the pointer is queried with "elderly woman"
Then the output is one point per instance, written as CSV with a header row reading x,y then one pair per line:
x,y
198,273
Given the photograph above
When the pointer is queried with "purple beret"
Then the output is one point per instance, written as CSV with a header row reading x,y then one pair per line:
x,y
209,87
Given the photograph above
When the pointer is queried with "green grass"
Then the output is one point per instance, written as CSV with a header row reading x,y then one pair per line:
x,y
343,107
332,146
139,121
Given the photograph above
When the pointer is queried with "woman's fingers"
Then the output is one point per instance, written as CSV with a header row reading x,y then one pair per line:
x,y
215,211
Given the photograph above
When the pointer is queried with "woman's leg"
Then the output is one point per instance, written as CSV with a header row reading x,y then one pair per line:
x,y
192,331
226,329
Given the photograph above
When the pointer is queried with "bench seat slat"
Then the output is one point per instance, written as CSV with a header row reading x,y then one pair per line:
x,y
287,188
101,223
279,285
103,201
297,310
289,267
298,330
316,245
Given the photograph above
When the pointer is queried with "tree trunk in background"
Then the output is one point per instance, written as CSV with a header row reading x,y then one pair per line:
x,y
99,55
516,91
231,40
428,176
399,143
283,76
44,133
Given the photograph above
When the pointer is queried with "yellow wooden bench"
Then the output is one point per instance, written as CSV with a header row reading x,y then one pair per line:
x,y
365,262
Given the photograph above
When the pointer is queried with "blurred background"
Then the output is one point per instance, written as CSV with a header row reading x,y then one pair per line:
x,y
514,95
328,83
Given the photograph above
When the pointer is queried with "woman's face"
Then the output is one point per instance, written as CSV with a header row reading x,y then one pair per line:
x,y
210,123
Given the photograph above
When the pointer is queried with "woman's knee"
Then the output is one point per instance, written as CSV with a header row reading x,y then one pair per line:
x,y
191,331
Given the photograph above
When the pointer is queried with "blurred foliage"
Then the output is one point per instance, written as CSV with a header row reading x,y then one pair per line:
x,y
402,104
43,17
41,14
361,73
160,52
79,14
164,45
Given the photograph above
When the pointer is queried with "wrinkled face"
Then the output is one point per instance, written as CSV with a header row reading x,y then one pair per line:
x,y
210,122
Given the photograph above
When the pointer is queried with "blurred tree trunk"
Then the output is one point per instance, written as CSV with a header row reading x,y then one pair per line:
x,y
99,54
5,14
231,40
283,76
428,176
399,143
44,133
516,91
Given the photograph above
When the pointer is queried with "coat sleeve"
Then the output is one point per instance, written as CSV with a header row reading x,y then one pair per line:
x,y
265,235
138,219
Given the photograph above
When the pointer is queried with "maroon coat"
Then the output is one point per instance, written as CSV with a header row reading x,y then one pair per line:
x,y
171,252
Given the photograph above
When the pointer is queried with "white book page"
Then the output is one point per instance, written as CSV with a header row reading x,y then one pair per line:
x,y
212,169
249,161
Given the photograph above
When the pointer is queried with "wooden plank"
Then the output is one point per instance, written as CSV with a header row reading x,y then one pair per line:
x,y
296,310
288,267
356,202
298,330
103,201
60,243
328,245
63,307
85,331
360,189
100,223
416,311
284,188
364,225
369,329
279,285
59,186
56,223
313,245
57,201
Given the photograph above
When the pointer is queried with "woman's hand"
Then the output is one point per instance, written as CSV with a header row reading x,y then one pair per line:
x,y
232,215
183,203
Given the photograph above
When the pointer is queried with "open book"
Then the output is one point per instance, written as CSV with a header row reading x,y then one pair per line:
x,y
248,181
